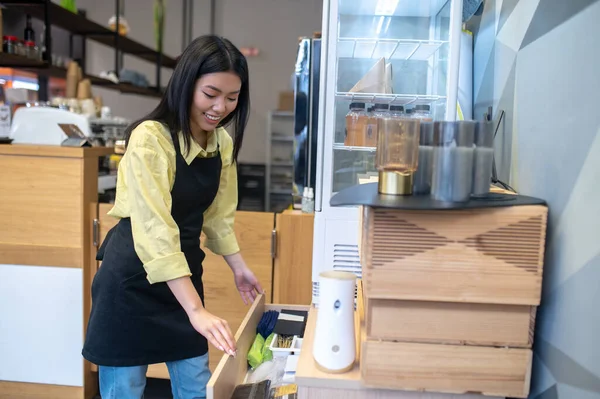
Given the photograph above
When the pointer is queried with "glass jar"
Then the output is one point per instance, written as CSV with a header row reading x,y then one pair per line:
x,y
397,154
356,124
452,179
9,44
32,51
423,112
423,175
20,49
484,158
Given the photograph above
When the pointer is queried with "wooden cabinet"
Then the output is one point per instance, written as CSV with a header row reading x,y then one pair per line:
x,y
51,227
46,216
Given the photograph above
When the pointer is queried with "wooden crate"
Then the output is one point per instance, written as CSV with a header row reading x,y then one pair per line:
x,y
504,372
492,255
451,298
450,323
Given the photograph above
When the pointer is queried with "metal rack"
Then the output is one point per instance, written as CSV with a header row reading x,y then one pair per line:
x,y
391,99
391,49
78,25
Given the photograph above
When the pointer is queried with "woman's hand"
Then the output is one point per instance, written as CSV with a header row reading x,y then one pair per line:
x,y
215,329
245,281
247,284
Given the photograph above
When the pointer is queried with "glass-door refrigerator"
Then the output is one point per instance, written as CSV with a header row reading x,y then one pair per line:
x,y
375,54
306,112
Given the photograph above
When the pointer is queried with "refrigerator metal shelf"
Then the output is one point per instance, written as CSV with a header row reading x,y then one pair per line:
x,y
390,49
391,99
342,147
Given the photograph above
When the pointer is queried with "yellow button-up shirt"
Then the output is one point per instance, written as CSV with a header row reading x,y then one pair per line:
x,y
145,178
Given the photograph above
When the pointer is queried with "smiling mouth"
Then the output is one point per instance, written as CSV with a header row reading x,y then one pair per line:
x,y
211,117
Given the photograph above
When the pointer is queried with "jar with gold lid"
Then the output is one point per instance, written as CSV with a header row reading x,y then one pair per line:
x,y
397,154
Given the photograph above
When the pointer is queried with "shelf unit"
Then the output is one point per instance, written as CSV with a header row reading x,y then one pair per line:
x,y
279,160
53,14
42,69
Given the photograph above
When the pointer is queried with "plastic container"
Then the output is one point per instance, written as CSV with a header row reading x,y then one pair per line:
x,y
423,112
379,111
397,111
371,129
397,154
32,51
424,173
484,158
356,124
295,347
20,49
453,155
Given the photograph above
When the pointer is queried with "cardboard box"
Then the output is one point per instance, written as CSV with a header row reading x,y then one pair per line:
x,y
286,101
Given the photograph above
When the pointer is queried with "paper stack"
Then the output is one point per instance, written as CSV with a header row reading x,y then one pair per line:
x,y
377,80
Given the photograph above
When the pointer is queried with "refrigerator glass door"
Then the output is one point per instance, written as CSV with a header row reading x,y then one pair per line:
x,y
386,52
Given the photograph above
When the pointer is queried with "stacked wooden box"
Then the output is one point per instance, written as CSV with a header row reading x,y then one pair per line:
x,y
451,298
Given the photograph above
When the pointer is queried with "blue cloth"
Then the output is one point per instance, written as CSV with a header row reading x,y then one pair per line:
x,y
188,380
470,7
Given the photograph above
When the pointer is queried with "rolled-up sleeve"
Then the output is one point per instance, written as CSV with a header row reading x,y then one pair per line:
x,y
220,216
155,233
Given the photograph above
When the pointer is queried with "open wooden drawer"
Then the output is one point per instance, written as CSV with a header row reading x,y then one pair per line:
x,y
231,371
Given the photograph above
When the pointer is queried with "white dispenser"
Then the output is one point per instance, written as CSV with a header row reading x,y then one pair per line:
x,y
334,348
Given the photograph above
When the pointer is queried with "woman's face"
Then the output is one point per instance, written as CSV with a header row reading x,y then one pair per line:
x,y
215,97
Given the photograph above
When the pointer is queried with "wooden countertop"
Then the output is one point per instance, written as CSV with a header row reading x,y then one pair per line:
x,y
349,385
55,151
307,373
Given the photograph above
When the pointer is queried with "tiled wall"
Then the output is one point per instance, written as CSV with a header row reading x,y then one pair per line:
x,y
539,60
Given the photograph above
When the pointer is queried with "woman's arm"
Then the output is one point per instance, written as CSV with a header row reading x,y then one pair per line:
x,y
215,329
245,281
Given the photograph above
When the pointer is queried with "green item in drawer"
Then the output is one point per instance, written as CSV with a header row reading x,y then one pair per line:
x,y
255,354
267,353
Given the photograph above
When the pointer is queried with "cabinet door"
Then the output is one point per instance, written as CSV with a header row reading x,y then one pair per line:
x,y
253,231
292,277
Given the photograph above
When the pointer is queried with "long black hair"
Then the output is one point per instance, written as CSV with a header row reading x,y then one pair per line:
x,y
206,54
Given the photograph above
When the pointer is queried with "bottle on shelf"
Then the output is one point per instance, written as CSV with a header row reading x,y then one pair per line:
x,y
397,111
423,112
379,111
308,200
356,123
29,33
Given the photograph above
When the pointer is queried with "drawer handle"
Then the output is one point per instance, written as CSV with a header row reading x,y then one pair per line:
x,y
96,232
273,243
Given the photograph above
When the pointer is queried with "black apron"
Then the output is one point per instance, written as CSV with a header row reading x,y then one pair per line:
x,y
133,322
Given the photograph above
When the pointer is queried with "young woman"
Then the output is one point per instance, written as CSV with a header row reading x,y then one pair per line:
x,y
176,179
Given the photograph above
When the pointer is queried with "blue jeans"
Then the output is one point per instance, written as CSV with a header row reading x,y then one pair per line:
x,y
188,380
